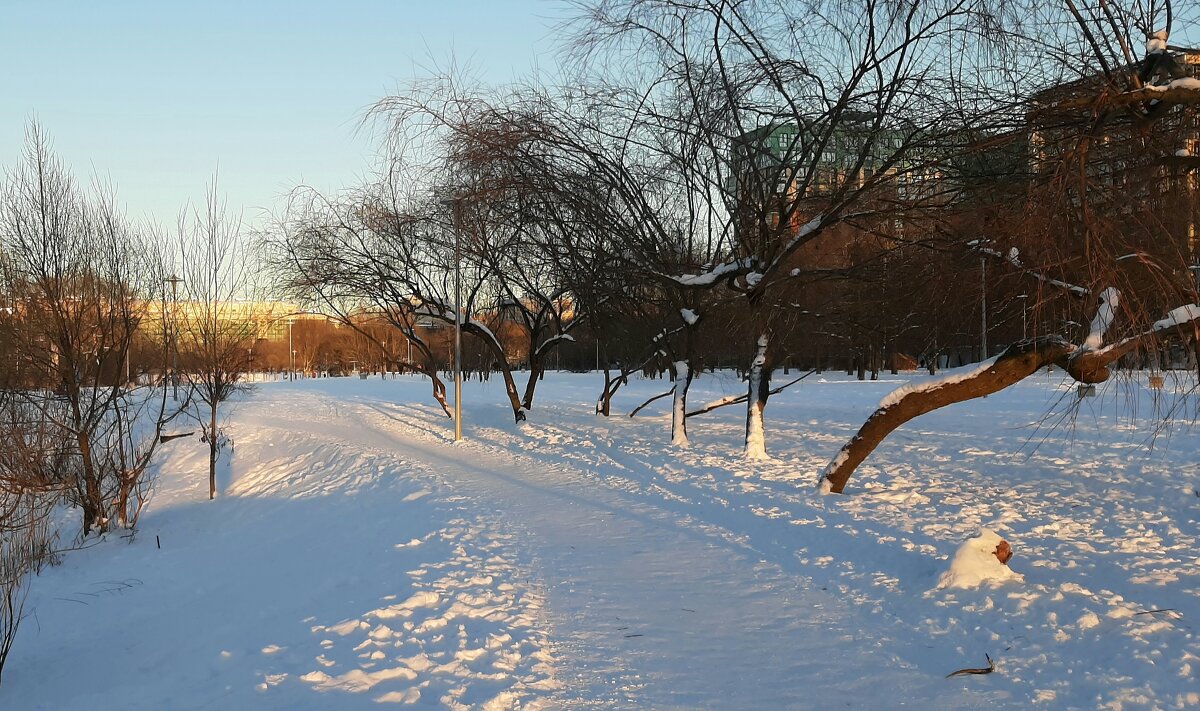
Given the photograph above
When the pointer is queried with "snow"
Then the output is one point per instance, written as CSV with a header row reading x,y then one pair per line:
x,y
679,405
355,557
1157,42
689,317
714,274
975,563
1178,317
948,377
1186,83
1109,300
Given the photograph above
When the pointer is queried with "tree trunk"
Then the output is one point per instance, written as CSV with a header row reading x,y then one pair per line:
x,y
439,390
213,452
758,390
604,404
535,371
1013,365
683,380
510,387
93,503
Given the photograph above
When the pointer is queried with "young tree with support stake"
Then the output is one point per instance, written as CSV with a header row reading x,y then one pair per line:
x,y
215,325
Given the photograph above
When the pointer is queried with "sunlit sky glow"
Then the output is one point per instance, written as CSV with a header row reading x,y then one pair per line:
x,y
155,95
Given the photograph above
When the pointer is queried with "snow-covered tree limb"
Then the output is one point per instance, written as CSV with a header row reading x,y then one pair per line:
x,y
1086,364
1013,258
736,399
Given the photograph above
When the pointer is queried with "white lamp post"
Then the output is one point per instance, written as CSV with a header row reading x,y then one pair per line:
x,y
454,221
291,352
174,282
1024,329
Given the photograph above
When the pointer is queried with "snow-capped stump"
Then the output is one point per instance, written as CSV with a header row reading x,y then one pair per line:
x,y
979,560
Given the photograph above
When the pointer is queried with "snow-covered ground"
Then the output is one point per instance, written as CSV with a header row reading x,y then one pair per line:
x,y
357,557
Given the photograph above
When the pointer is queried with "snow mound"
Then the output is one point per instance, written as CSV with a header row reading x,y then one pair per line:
x,y
975,563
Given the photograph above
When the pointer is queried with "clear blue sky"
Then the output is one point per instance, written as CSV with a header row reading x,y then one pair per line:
x,y
155,93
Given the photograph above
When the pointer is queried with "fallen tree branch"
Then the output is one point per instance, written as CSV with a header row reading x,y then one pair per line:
x,y
991,667
613,384
169,437
660,396
735,399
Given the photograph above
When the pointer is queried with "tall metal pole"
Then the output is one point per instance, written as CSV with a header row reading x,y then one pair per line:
x,y
1024,318
983,306
291,353
174,282
458,435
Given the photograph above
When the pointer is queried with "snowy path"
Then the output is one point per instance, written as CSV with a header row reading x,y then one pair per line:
x,y
356,557
645,609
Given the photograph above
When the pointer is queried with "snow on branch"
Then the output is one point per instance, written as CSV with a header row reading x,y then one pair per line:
x,y
1087,364
1109,299
1181,316
443,312
715,274
1014,258
1185,90
948,377
805,231
551,342
1178,317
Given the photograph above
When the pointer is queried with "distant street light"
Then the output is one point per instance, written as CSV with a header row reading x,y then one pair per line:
x,y
1024,300
291,352
983,306
174,282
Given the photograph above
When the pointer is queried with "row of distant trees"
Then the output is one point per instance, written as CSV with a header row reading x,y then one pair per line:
x,y
959,178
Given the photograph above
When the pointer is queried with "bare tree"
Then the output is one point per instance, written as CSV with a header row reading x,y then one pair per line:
x,y
77,277
215,325
336,256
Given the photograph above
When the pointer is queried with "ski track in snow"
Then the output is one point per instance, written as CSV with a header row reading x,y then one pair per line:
x,y
576,561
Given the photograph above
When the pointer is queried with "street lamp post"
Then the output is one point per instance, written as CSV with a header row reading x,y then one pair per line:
x,y
983,306
174,282
454,217
1024,329
291,352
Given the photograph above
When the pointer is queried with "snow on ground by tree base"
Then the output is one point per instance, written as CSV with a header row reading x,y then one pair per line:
x,y
358,559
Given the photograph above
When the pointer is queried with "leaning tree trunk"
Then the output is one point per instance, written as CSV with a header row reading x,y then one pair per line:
x,y
758,390
1016,363
535,372
683,380
1087,364
439,388
510,388
604,403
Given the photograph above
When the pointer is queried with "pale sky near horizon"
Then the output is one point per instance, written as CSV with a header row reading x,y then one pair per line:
x,y
155,95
